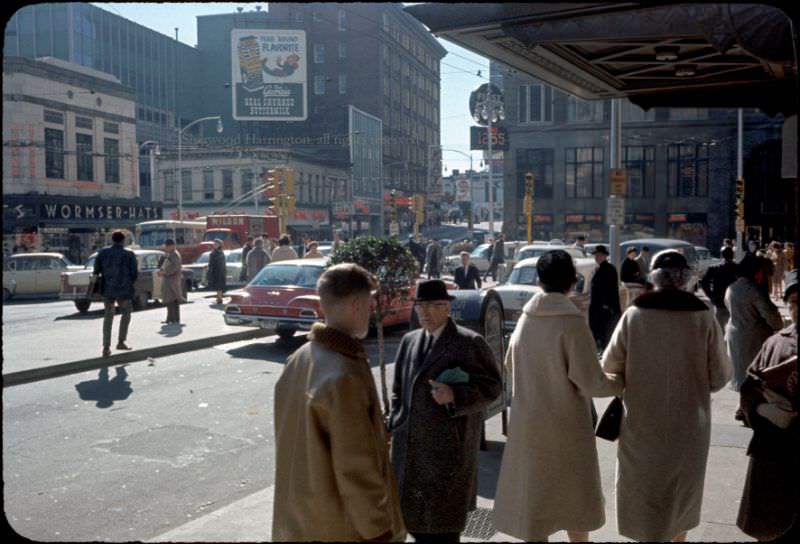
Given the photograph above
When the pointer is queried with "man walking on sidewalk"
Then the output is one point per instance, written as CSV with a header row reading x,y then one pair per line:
x,y
496,259
172,292
604,307
116,268
333,479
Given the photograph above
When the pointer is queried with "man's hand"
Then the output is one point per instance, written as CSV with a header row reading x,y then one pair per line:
x,y
776,415
441,392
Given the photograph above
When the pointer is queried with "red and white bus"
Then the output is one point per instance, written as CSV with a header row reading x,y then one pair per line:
x,y
187,235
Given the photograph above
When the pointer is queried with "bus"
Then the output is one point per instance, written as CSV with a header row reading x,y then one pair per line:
x,y
187,235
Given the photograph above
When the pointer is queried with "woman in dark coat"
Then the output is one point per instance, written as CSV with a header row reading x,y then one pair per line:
x,y
216,270
771,497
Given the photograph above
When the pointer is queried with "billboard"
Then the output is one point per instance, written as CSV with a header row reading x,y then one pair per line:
x,y
269,76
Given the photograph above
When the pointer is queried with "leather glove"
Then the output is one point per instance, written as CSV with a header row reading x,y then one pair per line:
x,y
776,415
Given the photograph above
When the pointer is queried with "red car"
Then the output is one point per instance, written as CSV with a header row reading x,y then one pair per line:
x,y
282,297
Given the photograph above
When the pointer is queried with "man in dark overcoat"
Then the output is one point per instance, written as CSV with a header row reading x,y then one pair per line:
x,y
436,426
604,307
116,267
217,270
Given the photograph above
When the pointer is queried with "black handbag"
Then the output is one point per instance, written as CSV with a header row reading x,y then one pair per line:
x,y
609,424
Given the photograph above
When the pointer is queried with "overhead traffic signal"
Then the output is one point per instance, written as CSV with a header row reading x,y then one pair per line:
x,y
529,183
740,198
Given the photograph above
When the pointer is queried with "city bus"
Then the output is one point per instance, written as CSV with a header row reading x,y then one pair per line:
x,y
187,235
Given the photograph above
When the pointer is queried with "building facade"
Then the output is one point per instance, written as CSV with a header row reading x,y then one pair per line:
x,y
680,165
70,157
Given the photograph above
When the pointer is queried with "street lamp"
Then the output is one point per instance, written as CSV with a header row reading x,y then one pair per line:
x,y
152,164
180,156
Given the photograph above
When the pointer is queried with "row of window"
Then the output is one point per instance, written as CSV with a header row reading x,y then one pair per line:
x,y
319,52
341,16
84,152
393,28
393,63
586,176
320,84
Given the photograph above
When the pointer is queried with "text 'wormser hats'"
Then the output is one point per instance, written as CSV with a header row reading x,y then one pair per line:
x,y
432,290
600,249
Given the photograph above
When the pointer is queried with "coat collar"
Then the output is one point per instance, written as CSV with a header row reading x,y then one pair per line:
x,y
674,300
336,340
439,348
550,304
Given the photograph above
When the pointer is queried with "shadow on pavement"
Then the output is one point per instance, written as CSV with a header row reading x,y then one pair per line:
x,y
93,314
105,391
274,349
489,468
171,330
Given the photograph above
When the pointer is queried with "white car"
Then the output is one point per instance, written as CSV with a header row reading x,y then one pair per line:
x,y
233,268
523,283
34,274
539,249
480,257
705,260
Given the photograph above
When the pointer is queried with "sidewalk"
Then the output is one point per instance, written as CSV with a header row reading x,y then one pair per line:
x,y
72,342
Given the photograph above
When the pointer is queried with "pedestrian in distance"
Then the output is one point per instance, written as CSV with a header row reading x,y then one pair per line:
x,y
312,252
284,251
753,316
715,283
417,251
604,306
643,260
257,259
550,474
630,271
752,247
333,478
771,496
778,258
433,259
669,349
445,376
496,258
467,276
726,242
115,268
216,273
580,242
171,288
789,251
248,246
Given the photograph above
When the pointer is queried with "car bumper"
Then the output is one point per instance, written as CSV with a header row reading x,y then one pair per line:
x,y
270,323
76,294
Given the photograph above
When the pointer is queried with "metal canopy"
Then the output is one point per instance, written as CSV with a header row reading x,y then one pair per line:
x,y
655,53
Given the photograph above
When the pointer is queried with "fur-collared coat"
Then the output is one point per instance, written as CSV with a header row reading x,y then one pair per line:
x,y
434,448
333,479
669,348
171,288
550,475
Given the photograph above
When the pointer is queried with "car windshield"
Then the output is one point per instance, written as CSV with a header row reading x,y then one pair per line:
x,y
524,275
703,253
233,257
90,262
482,251
532,252
288,274
202,259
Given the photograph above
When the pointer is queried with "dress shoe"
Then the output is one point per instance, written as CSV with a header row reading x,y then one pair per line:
x,y
122,345
106,352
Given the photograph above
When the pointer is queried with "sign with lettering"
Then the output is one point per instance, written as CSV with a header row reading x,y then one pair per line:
x,y
619,183
269,79
98,212
615,212
479,138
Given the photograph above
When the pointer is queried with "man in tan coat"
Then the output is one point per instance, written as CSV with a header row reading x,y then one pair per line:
x,y
171,288
550,475
333,478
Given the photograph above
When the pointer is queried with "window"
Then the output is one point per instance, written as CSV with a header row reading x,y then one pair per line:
x,y
319,53
640,163
111,160
342,84
298,16
227,184
55,117
112,128
584,111
208,184
169,186
342,51
633,113
83,122
687,170
247,181
186,184
540,162
319,84
342,21
385,22
84,148
535,104
54,153
584,172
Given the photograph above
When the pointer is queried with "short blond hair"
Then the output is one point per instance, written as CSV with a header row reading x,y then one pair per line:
x,y
342,281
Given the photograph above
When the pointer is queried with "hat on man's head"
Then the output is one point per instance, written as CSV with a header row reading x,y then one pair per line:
x,y
790,282
670,259
631,249
432,290
600,248
169,242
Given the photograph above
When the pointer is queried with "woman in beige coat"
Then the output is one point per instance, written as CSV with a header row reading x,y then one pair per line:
x,y
669,348
550,476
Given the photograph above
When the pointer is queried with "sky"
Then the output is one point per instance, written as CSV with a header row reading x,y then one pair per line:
x,y
458,68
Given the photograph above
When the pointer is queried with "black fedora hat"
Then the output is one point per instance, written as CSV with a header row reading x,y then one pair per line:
x,y
432,290
600,248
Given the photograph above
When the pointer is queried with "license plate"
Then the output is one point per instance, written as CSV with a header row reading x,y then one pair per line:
x,y
268,324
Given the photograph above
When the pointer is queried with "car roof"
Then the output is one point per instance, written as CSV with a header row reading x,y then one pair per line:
x,y
672,242
530,261
317,261
137,252
39,254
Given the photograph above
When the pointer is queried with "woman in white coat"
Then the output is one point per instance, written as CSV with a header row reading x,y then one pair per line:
x,y
550,476
670,350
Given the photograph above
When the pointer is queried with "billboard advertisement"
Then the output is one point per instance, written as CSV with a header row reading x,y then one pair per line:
x,y
269,75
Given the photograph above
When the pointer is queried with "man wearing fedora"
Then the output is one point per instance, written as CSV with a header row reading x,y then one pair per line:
x,y
437,418
604,307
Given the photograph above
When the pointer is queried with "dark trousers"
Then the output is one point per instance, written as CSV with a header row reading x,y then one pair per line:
x,y
602,322
492,270
444,538
174,312
108,319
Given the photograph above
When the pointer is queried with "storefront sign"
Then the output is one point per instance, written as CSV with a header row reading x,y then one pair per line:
x,y
676,218
97,212
574,218
542,218
309,216
269,75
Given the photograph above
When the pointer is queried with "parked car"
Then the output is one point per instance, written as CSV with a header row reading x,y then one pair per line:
x,y
539,249
658,245
282,297
34,274
233,268
74,285
480,257
523,283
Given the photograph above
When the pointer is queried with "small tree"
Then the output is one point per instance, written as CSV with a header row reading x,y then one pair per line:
x,y
394,268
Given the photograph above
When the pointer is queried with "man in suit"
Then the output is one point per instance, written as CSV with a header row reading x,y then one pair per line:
x,y
436,426
117,269
604,307
467,276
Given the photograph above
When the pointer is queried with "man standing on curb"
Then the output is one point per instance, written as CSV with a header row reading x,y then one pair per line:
x,y
604,307
333,479
172,291
117,269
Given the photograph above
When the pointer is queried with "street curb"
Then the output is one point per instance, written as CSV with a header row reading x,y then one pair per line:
x,y
75,367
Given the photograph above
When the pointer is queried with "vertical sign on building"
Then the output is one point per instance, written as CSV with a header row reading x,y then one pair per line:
x,y
269,75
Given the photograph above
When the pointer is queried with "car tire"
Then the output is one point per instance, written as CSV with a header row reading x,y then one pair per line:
x,y
83,305
140,302
491,324
284,334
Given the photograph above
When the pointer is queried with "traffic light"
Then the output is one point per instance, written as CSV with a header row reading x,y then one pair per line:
x,y
740,198
529,183
289,178
419,208
270,179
